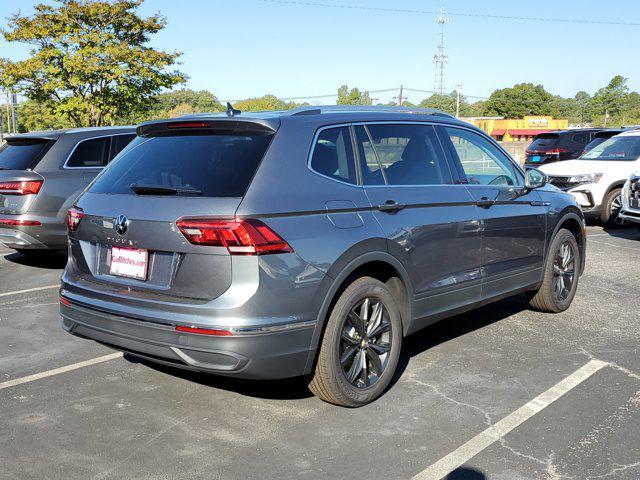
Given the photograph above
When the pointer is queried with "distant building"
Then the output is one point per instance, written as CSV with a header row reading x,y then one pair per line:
x,y
518,129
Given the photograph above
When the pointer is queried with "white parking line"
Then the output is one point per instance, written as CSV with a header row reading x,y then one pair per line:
x,y
465,452
28,290
57,371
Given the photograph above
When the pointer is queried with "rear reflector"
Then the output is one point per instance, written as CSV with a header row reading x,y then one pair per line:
x,y
20,188
64,301
19,223
204,331
74,215
240,237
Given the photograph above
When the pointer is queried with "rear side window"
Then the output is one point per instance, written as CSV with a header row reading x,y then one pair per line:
x,y
216,165
118,142
407,155
333,155
23,154
92,153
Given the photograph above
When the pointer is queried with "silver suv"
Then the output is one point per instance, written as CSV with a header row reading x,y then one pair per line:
x,y
309,242
42,174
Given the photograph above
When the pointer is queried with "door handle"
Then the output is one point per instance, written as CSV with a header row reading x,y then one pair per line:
x,y
485,202
391,206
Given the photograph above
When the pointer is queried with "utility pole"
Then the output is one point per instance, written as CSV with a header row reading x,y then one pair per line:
x,y
8,112
458,89
440,58
400,99
14,107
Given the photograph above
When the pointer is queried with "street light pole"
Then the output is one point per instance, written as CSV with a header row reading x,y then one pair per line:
x,y
458,89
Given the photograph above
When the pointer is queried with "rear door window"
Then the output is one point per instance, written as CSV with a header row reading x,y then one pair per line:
x,y
92,153
406,154
482,162
215,165
23,154
118,142
333,155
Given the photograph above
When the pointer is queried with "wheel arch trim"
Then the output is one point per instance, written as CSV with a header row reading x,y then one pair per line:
x,y
338,280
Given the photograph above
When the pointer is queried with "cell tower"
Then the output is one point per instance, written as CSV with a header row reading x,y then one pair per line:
x,y
440,58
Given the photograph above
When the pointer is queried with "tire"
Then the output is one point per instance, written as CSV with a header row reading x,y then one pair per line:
x,y
329,380
611,207
549,298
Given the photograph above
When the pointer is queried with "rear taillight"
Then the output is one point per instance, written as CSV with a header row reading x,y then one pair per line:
x,y
556,151
74,215
240,236
19,223
30,187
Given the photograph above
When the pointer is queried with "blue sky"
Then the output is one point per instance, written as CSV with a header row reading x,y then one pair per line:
x,y
242,48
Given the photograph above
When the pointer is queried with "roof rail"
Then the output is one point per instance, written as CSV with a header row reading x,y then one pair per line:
x,y
320,109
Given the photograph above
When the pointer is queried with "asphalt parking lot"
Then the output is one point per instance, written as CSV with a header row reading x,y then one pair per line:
x,y
500,393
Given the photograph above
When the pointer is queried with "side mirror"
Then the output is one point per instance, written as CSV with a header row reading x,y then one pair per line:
x,y
534,178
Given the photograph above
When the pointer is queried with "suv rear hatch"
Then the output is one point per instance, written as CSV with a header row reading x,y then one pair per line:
x,y
18,183
128,240
544,149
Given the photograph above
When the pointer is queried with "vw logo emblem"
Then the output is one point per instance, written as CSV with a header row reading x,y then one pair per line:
x,y
122,222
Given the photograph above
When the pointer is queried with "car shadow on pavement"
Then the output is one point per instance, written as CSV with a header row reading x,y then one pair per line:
x,y
630,232
296,388
48,260
466,473
456,326
284,389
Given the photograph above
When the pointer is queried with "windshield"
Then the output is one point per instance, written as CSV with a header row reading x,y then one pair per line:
x,y
22,154
208,165
618,148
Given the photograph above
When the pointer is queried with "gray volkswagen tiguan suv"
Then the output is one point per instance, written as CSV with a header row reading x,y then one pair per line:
x,y
42,174
309,242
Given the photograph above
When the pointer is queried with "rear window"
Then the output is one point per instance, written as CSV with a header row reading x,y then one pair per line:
x,y
216,165
618,148
544,142
23,154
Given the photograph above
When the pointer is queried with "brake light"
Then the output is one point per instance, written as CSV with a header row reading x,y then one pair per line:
x,y
240,237
187,125
556,151
30,187
19,223
204,331
74,215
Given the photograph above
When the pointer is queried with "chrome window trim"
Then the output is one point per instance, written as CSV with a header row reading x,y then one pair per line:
x,y
431,122
66,167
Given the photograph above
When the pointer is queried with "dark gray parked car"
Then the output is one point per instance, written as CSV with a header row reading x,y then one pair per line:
x,y
309,242
41,175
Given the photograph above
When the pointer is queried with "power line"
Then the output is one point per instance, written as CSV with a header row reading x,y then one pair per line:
x,y
457,14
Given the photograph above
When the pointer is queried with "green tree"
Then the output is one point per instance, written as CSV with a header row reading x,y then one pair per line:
x,y
201,101
609,101
583,99
90,60
520,100
266,102
37,116
353,96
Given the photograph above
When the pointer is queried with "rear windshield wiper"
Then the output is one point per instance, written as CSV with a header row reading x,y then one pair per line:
x,y
159,190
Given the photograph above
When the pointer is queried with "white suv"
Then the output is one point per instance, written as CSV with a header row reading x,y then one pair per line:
x,y
597,177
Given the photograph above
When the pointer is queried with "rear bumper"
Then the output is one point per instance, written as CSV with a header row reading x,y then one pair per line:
x,y
266,352
19,239
51,234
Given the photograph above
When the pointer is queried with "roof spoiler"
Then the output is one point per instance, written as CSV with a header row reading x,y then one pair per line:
x,y
184,126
